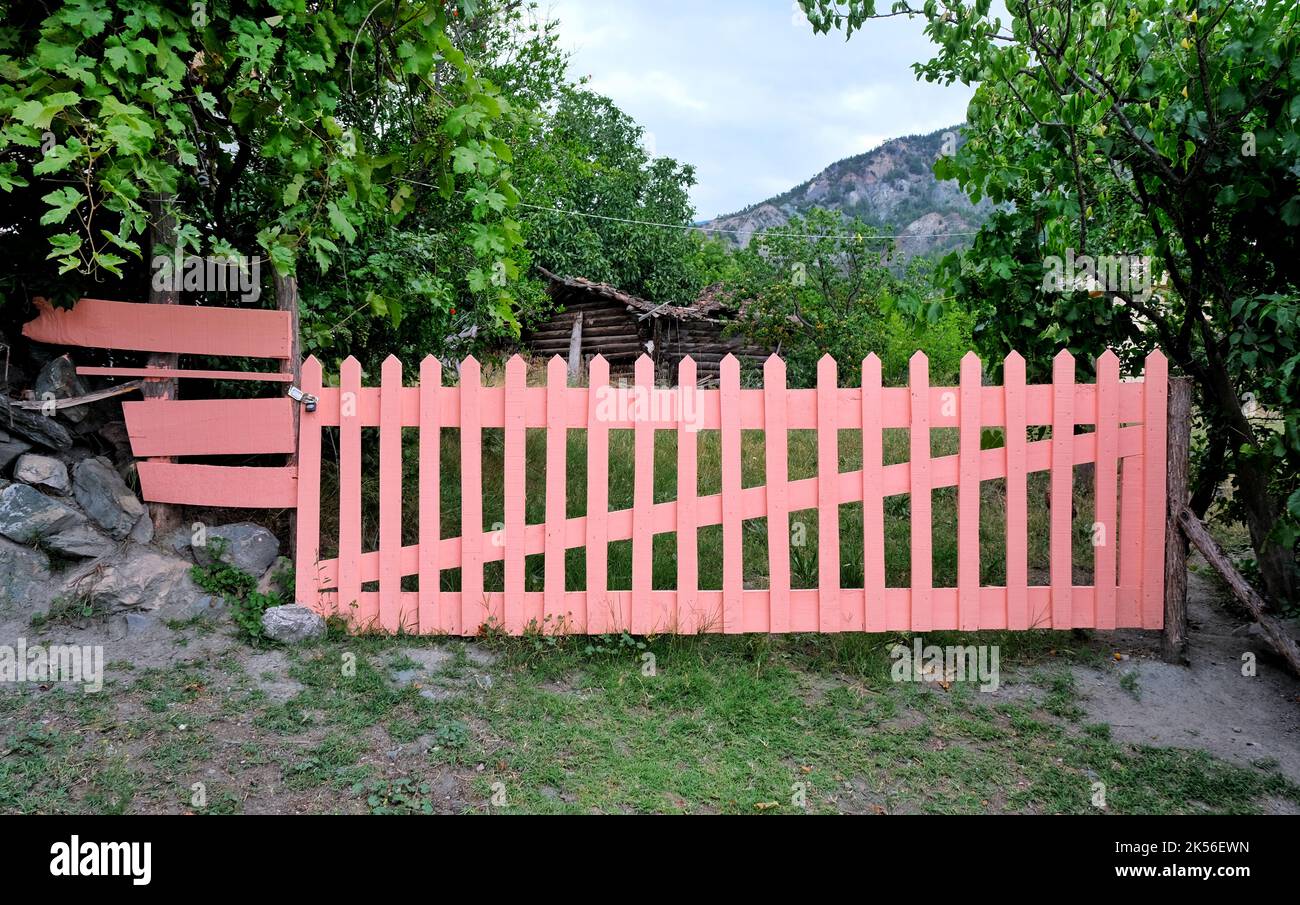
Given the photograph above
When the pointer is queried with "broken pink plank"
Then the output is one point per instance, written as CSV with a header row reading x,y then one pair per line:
x,y
210,427
218,485
186,329
164,373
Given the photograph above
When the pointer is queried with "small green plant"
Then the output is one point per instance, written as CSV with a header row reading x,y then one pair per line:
x,y
239,591
453,734
1129,682
612,645
396,796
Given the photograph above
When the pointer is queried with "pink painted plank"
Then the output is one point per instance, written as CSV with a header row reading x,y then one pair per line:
x,y
218,485
163,373
307,541
350,492
873,507
514,463
686,617
557,441
921,617
1061,559
776,460
430,619
801,408
210,427
390,495
1155,428
641,618
1017,600
830,618
1131,501
1105,530
600,615
732,540
188,329
968,495
473,612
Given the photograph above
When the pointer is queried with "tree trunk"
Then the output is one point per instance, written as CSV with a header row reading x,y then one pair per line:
x,y
162,241
286,299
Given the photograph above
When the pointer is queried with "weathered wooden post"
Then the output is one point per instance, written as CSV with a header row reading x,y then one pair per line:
x,y
1174,642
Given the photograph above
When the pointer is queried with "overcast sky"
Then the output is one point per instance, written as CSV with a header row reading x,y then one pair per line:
x,y
747,93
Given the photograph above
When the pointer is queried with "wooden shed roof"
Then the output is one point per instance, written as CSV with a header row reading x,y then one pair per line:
x,y
711,305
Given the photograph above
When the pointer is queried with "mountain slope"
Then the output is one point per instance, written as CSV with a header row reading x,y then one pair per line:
x,y
891,187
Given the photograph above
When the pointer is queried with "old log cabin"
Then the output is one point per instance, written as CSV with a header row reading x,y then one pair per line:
x,y
597,318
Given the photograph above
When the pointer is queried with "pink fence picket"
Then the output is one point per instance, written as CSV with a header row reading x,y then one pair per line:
x,y
1126,444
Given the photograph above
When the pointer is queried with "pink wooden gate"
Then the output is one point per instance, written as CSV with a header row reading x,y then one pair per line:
x,y
1129,427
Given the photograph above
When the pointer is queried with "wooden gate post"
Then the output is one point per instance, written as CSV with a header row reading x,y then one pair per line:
x,y
1174,641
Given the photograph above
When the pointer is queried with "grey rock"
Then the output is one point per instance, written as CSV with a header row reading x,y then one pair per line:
x,y
10,449
248,547
137,578
177,540
104,495
59,380
42,471
28,516
269,581
291,624
208,605
34,426
24,577
142,533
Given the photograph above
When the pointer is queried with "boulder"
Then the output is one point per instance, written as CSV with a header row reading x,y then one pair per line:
x,y
142,533
59,380
11,448
291,624
270,580
138,578
24,578
28,516
247,547
104,496
177,540
39,428
42,471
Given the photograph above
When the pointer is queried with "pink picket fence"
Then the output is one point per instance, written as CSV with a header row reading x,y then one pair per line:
x,y
1126,443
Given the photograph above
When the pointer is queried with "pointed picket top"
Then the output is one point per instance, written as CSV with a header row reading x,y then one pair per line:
x,y
729,366
774,368
516,366
972,356
644,369
919,356
827,370
598,371
871,357
685,369
1157,358
430,362
469,364
1108,357
350,362
1014,360
1063,355
392,366
557,371
311,361
311,371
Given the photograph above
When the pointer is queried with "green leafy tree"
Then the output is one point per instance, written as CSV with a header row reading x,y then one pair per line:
x,y
1149,130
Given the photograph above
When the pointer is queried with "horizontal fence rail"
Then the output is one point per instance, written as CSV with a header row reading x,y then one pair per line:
x,y
1125,447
